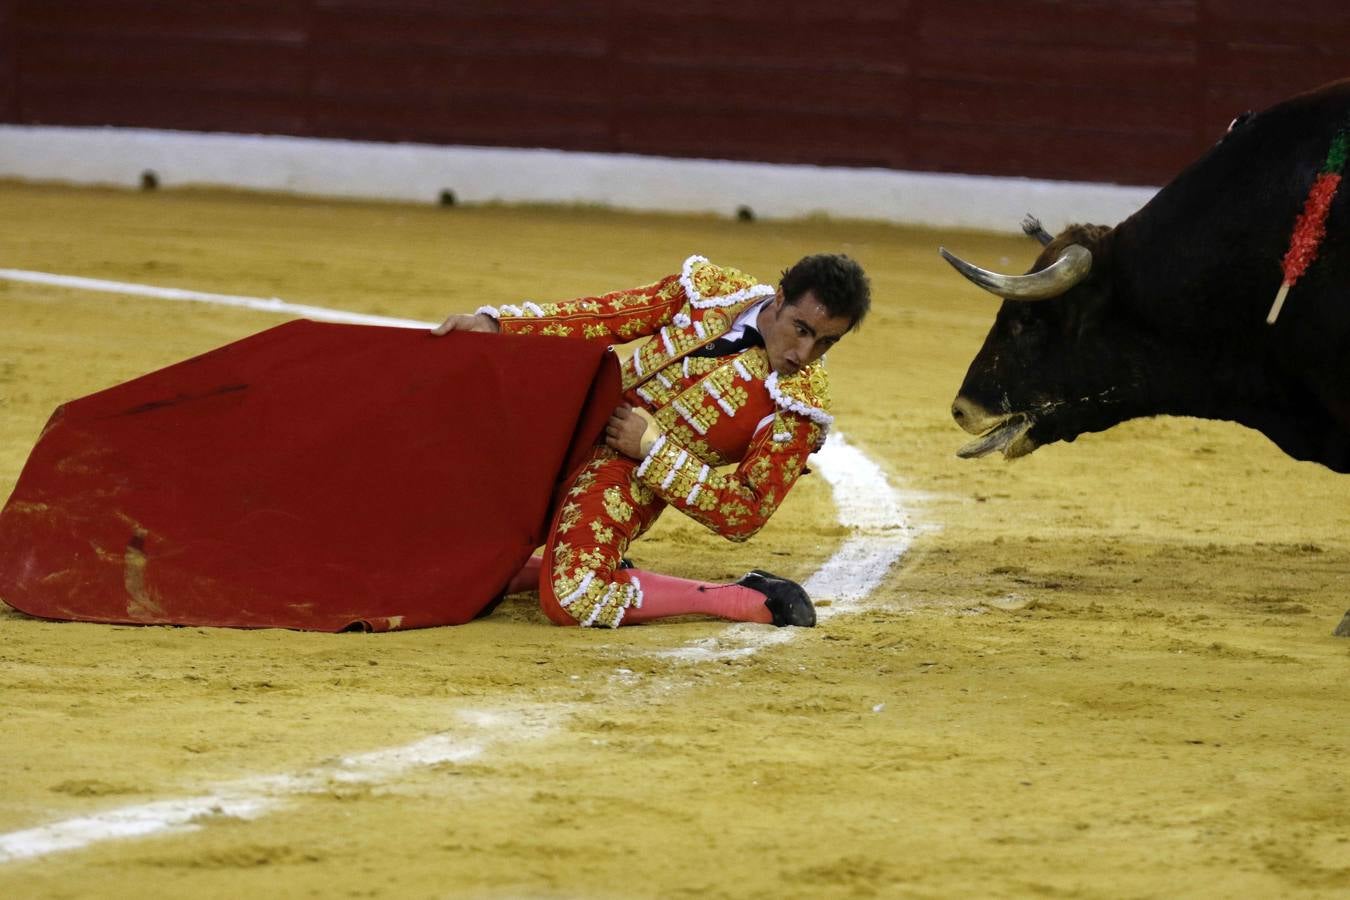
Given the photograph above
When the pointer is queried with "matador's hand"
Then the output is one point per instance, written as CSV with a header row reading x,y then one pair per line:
x,y
476,322
631,431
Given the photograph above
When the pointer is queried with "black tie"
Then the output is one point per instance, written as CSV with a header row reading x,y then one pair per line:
x,y
726,346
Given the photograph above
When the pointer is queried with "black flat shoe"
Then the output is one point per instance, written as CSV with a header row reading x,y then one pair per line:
x,y
786,600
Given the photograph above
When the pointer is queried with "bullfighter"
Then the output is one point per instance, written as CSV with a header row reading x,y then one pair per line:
x,y
725,371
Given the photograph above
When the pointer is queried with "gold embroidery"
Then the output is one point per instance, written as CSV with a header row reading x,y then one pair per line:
x,y
820,387
702,365
648,295
617,508
713,281
735,397
633,327
683,340
678,480
734,512
642,495
651,355
702,416
565,585
602,532
562,556
756,362
571,515
621,301
655,393
583,482
557,329
659,466
682,434
669,421
602,602
784,428
734,507
602,456
595,331
809,387
597,558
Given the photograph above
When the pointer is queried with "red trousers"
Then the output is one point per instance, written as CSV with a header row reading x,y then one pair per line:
x,y
602,510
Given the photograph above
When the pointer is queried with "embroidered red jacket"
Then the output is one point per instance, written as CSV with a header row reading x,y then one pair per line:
x,y
713,412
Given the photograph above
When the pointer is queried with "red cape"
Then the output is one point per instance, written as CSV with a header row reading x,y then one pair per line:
x,y
313,476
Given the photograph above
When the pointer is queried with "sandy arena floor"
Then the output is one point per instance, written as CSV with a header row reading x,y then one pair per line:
x,y
1106,670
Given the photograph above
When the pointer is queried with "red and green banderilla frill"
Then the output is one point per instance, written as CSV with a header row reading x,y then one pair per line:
x,y
1311,225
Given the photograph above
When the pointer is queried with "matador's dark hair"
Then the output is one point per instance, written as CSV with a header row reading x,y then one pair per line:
x,y
837,281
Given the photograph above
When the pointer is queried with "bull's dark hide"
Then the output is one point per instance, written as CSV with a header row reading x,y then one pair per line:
x,y
1171,318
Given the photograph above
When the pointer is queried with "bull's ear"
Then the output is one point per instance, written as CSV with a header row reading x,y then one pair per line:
x,y
1031,227
1082,234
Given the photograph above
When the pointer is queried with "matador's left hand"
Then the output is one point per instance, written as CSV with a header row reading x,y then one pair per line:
x,y
631,431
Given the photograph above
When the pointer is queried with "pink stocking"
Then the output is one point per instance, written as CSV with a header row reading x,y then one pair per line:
x,y
665,595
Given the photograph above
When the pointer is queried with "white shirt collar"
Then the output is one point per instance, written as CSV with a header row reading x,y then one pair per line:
x,y
747,317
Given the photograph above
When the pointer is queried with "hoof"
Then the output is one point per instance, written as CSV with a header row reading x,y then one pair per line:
x,y
787,602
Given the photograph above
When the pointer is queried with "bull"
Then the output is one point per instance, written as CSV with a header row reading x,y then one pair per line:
x,y
1165,314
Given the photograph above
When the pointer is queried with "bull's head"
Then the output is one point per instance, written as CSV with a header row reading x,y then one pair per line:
x,y
1038,378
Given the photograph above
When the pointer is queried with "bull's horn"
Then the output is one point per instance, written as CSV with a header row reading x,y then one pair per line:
x,y
1072,266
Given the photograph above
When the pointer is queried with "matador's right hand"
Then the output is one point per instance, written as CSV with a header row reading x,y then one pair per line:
x,y
631,430
465,322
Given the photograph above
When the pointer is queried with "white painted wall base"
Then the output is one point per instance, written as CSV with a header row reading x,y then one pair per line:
x,y
420,172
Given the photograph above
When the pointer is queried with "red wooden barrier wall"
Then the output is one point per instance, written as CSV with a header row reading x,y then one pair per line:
x,y
1075,89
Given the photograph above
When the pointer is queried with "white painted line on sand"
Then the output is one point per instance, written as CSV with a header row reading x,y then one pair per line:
x,y
250,798
247,798
163,817
882,532
258,304
866,503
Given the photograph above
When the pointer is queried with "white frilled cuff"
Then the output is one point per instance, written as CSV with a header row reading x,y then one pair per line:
x,y
528,308
782,401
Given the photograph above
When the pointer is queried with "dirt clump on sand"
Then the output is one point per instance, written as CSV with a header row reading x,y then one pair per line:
x,y
1105,670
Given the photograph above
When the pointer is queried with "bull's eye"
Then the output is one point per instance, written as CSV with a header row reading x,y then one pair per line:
x,y
1015,327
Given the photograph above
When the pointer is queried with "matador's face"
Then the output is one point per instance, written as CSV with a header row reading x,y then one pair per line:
x,y
799,333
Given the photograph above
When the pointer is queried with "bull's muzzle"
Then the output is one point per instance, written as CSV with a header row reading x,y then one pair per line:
x,y
997,431
971,416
